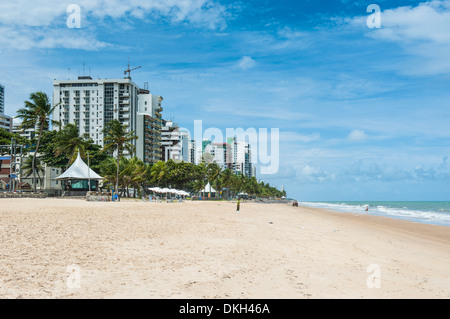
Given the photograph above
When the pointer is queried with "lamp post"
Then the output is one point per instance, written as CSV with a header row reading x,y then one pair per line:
x,y
89,173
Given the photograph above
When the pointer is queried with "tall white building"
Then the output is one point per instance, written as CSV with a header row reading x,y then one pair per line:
x,y
243,159
221,153
148,127
174,142
241,154
91,104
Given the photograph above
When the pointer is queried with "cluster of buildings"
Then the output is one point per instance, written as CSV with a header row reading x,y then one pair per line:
x,y
92,103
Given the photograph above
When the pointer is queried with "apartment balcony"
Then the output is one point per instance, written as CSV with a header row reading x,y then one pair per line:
x,y
126,123
124,116
125,102
125,95
125,109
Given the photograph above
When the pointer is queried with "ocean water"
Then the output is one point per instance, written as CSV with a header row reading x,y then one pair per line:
x,y
437,213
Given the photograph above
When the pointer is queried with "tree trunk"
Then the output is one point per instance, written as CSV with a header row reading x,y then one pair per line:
x,y
118,159
35,154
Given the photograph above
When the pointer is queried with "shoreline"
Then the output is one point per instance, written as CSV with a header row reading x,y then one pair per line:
x,y
191,250
409,227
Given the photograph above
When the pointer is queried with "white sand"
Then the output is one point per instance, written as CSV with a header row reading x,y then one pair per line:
x,y
60,248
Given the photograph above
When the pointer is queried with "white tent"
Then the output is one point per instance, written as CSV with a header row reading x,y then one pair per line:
x,y
208,189
78,171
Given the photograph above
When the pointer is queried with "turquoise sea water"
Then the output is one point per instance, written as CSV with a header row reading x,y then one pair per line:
x,y
437,213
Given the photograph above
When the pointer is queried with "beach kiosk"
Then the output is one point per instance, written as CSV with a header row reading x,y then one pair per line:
x,y
79,179
208,191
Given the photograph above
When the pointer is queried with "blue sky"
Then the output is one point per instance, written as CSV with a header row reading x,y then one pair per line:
x,y
363,113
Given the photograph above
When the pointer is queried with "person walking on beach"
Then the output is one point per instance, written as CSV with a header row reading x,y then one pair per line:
x,y
238,206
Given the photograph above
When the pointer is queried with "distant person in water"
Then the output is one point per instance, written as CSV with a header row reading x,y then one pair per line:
x,y
238,206
367,208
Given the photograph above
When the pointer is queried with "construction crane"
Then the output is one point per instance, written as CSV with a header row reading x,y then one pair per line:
x,y
129,70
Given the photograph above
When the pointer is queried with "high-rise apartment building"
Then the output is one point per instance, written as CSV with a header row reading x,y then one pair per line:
x,y
148,127
92,104
2,99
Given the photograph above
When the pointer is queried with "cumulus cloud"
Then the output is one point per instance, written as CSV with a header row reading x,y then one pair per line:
x,y
423,31
45,12
39,24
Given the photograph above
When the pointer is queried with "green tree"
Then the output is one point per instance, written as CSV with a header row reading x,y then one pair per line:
x,y
117,138
48,150
212,174
134,174
27,168
36,115
69,142
6,137
226,177
108,170
159,173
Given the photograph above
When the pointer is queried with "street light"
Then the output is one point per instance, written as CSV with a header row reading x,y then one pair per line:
x,y
89,173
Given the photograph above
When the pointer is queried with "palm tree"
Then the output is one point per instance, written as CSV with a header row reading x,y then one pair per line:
x,y
69,142
108,169
159,172
212,173
218,183
137,170
27,167
36,114
117,138
226,180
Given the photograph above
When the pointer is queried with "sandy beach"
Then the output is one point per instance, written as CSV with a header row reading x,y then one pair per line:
x,y
71,248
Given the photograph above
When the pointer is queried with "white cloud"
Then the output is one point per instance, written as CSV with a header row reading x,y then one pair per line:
x,y
357,135
45,12
22,38
42,24
423,31
246,63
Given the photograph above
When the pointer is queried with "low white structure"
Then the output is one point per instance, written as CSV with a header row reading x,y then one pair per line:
x,y
208,189
79,178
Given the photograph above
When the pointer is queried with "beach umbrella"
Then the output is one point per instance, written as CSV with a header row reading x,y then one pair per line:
x,y
154,189
173,190
165,190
